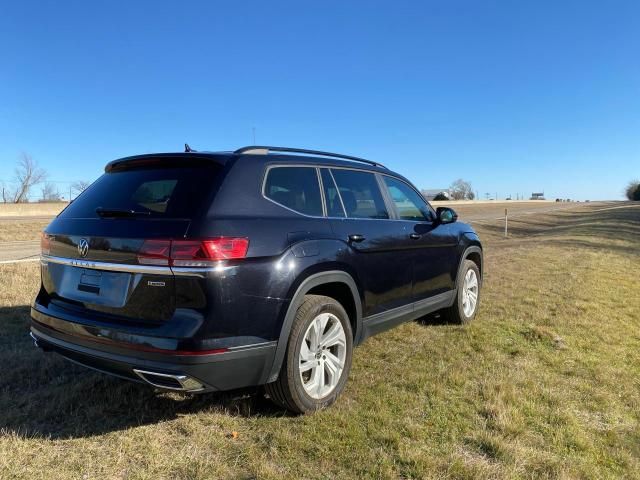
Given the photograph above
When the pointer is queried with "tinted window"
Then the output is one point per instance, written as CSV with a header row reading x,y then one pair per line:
x,y
160,192
296,188
360,194
331,197
154,195
409,204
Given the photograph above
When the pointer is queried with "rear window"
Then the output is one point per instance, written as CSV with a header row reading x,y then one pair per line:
x,y
158,193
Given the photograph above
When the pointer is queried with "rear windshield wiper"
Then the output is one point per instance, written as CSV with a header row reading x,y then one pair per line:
x,y
120,212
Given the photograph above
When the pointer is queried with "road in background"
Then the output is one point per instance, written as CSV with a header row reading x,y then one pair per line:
x,y
25,218
23,251
481,212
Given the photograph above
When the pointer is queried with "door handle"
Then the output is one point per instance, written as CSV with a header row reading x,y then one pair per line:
x,y
356,237
415,236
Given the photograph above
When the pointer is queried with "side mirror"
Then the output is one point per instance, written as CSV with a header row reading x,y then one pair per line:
x,y
446,215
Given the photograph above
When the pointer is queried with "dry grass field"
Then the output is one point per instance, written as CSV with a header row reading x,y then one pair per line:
x,y
544,384
483,210
29,209
13,230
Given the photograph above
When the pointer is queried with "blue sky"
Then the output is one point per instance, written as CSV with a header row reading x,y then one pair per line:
x,y
513,96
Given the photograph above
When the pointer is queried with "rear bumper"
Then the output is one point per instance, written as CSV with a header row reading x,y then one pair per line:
x,y
237,367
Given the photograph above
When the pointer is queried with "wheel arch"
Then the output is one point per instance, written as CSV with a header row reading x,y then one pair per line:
x,y
473,253
318,283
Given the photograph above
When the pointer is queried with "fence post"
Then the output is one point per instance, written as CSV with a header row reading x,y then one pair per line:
x,y
505,223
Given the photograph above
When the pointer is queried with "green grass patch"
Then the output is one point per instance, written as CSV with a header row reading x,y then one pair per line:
x,y
544,384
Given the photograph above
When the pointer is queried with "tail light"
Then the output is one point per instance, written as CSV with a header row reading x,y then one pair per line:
x,y
45,243
155,252
192,253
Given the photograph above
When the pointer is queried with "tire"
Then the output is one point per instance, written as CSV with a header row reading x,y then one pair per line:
x,y
308,380
460,312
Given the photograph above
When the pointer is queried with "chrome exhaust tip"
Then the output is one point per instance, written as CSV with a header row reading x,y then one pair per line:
x,y
182,383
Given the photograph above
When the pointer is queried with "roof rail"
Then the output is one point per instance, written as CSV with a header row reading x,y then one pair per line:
x,y
264,150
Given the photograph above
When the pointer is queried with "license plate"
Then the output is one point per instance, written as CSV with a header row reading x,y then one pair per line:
x,y
90,281
89,277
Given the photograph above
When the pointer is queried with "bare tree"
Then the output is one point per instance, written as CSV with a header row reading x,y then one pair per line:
x,y
461,190
5,194
50,193
80,186
28,174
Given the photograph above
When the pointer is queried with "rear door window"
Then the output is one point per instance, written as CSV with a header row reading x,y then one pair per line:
x,y
360,194
331,197
163,193
296,188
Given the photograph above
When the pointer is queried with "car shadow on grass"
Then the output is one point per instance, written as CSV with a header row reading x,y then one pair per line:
x,y
435,319
44,395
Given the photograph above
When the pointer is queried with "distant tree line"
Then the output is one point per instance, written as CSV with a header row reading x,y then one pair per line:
x,y
458,190
633,190
441,197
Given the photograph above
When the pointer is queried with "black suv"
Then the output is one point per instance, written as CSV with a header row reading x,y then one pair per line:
x,y
201,272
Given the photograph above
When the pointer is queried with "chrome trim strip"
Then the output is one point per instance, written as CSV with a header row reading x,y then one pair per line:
x,y
201,272
335,185
130,268
253,346
112,267
322,196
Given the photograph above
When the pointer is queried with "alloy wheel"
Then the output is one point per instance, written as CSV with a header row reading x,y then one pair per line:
x,y
322,355
470,293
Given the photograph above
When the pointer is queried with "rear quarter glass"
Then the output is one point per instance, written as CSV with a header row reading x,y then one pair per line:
x,y
159,193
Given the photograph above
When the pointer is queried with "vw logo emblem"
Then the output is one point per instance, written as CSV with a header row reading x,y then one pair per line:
x,y
83,247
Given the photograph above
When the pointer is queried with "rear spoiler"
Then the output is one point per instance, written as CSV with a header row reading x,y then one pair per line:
x,y
166,160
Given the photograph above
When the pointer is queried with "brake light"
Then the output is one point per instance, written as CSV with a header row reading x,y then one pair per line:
x,y
192,253
45,243
226,248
